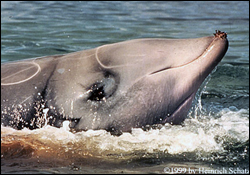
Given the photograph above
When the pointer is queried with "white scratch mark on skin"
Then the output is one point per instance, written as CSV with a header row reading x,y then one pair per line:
x,y
18,82
115,66
25,100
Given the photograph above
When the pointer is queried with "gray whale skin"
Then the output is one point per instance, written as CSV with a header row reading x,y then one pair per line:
x,y
116,87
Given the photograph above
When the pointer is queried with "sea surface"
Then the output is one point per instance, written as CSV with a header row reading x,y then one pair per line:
x,y
213,139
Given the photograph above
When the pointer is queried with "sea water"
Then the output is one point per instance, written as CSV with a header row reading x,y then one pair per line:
x,y
213,139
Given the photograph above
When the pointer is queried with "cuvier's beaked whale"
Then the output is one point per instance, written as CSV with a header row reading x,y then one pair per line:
x,y
114,87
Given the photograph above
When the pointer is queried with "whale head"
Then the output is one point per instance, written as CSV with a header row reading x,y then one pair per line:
x,y
125,85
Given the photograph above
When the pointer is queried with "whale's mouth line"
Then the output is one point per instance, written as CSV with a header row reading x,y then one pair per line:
x,y
175,67
218,34
161,70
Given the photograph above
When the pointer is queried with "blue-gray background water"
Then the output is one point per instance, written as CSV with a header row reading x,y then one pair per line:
x,y
214,138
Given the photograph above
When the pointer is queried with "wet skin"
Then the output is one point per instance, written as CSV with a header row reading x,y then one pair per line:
x,y
114,87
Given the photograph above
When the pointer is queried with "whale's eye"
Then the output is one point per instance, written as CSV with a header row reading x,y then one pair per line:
x,y
97,92
102,90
